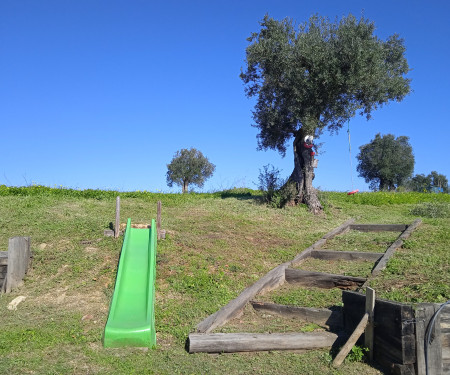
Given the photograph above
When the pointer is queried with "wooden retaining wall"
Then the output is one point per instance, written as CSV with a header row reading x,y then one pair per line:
x,y
400,332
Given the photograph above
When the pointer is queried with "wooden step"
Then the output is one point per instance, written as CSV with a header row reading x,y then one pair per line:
x,y
345,255
379,227
250,342
323,280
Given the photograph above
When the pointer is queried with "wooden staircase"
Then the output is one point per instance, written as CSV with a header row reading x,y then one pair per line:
x,y
205,341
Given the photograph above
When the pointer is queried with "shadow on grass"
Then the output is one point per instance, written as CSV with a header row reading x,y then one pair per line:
x,y
243,194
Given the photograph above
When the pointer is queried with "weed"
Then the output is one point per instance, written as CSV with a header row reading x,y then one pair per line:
x,y
357,354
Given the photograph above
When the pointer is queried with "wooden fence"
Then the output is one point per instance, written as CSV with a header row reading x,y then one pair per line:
x,y
404,340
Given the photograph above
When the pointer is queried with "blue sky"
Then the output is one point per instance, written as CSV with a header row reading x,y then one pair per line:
x,y
102,93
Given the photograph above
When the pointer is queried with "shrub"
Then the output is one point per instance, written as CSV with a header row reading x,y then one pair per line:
x,y
432,210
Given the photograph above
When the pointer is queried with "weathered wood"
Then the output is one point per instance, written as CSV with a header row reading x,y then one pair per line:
x,y
3,258
345,255
117,224
158,219
18,261
270,281
326,317
322,280
321,242
351,341
382,263
430,353
368,333
378,227
250,342
394,327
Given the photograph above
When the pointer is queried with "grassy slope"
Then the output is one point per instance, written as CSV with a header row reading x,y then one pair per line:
x,y
216,245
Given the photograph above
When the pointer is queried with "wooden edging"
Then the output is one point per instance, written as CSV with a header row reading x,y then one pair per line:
x,y
379,227
18,262
273,279
249,342
325,317
323,280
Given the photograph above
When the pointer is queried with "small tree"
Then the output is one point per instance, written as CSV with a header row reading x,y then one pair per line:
x,y
423,183
189,167
386,162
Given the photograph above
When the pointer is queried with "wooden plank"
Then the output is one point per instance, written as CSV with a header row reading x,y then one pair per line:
x,y
368,333
270,281
351,341
326,317
379,227
430,353
158,219
322,280
117,225
339,230
345,255
250,342
18,261
3,258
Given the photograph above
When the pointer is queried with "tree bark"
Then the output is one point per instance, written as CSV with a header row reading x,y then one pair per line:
x,y
185,187
303,174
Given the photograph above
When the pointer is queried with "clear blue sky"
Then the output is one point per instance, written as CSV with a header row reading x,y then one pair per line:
x,y
102,93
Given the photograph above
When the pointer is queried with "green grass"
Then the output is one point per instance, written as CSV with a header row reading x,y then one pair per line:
x,y
217,244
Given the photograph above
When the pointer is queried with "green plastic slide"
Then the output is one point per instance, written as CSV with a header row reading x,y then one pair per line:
x,y
131,320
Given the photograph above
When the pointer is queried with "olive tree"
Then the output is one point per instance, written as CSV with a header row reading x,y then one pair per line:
x,y
314,77
386,162
189,167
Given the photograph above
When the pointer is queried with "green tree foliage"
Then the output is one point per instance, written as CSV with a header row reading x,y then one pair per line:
x,y
317,76
189,167
386,162
422,183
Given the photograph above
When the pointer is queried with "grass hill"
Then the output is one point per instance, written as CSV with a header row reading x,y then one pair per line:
x,y
216,245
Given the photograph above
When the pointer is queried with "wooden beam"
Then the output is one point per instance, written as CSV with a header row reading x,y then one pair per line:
x,y
19,255
326,317
270,281
3,258
322,280
250,342
379,227
351,341
345,255
117,225
368,333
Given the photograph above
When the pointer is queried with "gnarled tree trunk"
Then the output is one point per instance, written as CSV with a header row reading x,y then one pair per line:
x,y
303,174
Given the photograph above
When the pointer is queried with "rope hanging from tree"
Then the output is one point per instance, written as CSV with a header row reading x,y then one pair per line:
x,y
354,191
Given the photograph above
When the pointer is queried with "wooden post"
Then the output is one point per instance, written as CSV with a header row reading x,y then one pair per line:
x,y
117,226
18,262
368,333
158,220
360,328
